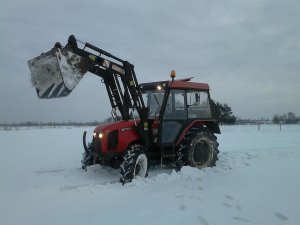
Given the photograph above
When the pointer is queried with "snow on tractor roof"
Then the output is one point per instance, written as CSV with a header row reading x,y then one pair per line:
x,y
180,84
187,85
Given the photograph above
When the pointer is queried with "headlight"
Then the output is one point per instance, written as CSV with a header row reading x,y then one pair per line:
x,y
100,135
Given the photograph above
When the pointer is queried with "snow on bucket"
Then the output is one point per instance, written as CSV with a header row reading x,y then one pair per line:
x,y
56,73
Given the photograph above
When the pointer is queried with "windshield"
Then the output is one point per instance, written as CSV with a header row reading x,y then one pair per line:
x,y
154,101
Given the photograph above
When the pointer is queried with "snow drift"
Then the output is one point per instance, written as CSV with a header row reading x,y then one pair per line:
x,y
256,181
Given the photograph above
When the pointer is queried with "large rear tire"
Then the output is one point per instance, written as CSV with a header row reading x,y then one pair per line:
x,y
135,164
199,149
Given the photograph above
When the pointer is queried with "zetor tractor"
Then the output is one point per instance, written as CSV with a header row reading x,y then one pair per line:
x,y
166,122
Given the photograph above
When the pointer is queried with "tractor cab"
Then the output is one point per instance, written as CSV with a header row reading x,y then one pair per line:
x,y
174,106
177,100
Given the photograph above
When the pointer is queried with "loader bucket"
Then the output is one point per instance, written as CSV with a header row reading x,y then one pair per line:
x,y
56,73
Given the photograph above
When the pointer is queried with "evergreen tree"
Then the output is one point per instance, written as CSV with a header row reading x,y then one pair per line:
x,y
223,113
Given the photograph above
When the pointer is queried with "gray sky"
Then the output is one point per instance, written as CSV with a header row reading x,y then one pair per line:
x,y
247,51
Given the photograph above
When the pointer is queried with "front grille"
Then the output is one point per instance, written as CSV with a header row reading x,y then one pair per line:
x,y
97,147
112,140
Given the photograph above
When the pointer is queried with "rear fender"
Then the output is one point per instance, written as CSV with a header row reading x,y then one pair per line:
x,y
212,125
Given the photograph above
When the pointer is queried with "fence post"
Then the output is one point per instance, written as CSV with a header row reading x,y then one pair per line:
x,y
280,126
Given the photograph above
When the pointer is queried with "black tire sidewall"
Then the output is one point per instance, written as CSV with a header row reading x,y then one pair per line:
x,y
209,140
129,163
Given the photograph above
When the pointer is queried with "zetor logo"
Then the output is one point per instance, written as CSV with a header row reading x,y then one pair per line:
x,y
126,129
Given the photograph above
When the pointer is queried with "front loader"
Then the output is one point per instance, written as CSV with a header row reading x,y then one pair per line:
x,y
168,122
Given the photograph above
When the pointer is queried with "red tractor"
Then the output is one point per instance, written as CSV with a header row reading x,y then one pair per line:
x,y
167,122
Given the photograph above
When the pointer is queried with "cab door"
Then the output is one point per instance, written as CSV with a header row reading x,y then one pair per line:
x,y
174,115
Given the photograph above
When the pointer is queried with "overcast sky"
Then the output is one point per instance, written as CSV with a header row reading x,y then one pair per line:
x,y
247,51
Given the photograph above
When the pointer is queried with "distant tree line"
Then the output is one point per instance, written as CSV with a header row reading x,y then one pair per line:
x,y
289,118
49,124
253,121
222,112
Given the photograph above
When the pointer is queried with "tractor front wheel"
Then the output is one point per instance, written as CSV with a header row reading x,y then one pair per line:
x,y
135,163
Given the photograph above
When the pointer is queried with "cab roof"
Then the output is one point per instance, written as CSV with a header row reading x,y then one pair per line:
x,y
187,85
176,84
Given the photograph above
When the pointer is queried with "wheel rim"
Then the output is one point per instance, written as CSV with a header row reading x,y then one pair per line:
x,y
141,166
202,153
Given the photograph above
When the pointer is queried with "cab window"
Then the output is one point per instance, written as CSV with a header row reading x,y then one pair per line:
x,y
175,107
198,104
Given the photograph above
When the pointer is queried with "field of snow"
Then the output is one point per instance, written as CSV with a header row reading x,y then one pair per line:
x,y
256,181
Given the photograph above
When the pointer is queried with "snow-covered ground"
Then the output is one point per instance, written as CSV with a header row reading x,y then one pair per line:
x,y
256,181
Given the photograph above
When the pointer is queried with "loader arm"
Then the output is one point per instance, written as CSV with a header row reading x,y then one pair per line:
x,y
57,72
118,76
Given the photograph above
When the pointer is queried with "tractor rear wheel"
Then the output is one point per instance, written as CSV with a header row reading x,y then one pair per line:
x,y
135,164
199,149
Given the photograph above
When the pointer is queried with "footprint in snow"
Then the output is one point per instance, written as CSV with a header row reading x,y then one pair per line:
x,y
182,207
241,219
229,197
50,171
72,187
179,196
237,207
281,216
203,221
201,188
